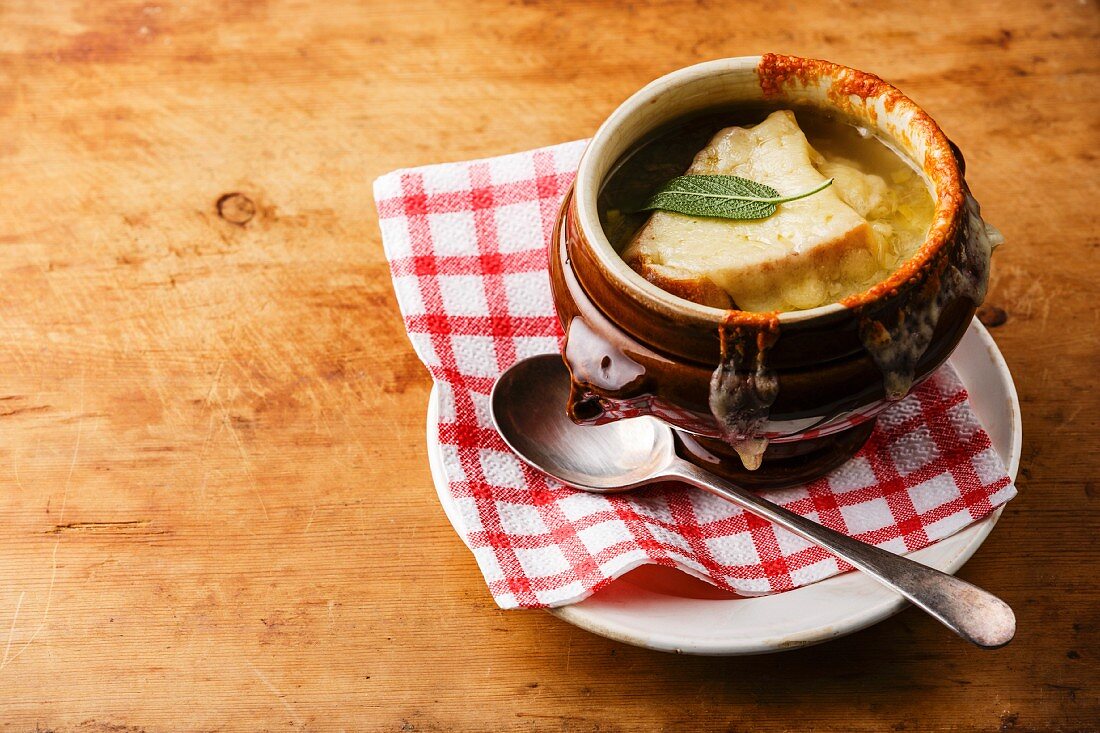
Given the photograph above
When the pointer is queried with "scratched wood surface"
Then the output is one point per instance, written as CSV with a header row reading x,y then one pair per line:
x,y
216,509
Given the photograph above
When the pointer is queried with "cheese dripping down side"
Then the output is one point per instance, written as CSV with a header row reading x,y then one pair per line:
x,y
897,338
743,388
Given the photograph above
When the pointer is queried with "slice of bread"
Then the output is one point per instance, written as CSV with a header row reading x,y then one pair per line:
x,y
800,257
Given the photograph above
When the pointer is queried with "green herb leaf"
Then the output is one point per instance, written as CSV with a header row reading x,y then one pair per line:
x,y
722,197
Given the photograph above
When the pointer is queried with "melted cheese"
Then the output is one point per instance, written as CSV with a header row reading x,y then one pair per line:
x,y
811,252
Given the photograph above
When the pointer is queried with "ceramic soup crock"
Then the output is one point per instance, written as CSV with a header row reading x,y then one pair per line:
x,y
810,382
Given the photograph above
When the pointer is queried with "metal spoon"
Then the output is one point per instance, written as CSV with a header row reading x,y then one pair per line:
x,y
528,408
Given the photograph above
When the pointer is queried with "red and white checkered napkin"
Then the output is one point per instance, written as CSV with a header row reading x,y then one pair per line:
x,y
466,244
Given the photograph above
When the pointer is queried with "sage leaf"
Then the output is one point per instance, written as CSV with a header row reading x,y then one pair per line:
x,y
721,197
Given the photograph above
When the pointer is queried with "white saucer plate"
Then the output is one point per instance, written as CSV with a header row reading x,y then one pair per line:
x,y
665,609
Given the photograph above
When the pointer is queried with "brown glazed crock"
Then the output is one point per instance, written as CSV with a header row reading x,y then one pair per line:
x,y
633,349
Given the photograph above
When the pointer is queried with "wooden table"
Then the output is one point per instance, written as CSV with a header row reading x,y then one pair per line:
x,y
217,511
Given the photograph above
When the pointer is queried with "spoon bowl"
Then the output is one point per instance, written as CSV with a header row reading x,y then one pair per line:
x,y
528,406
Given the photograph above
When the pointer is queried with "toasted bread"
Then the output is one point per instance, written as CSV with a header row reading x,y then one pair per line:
x,y
797,258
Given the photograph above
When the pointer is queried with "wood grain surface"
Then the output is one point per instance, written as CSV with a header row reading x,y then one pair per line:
x,y
216,510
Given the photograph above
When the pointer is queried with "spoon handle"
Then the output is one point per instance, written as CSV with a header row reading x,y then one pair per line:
x,y
969,611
